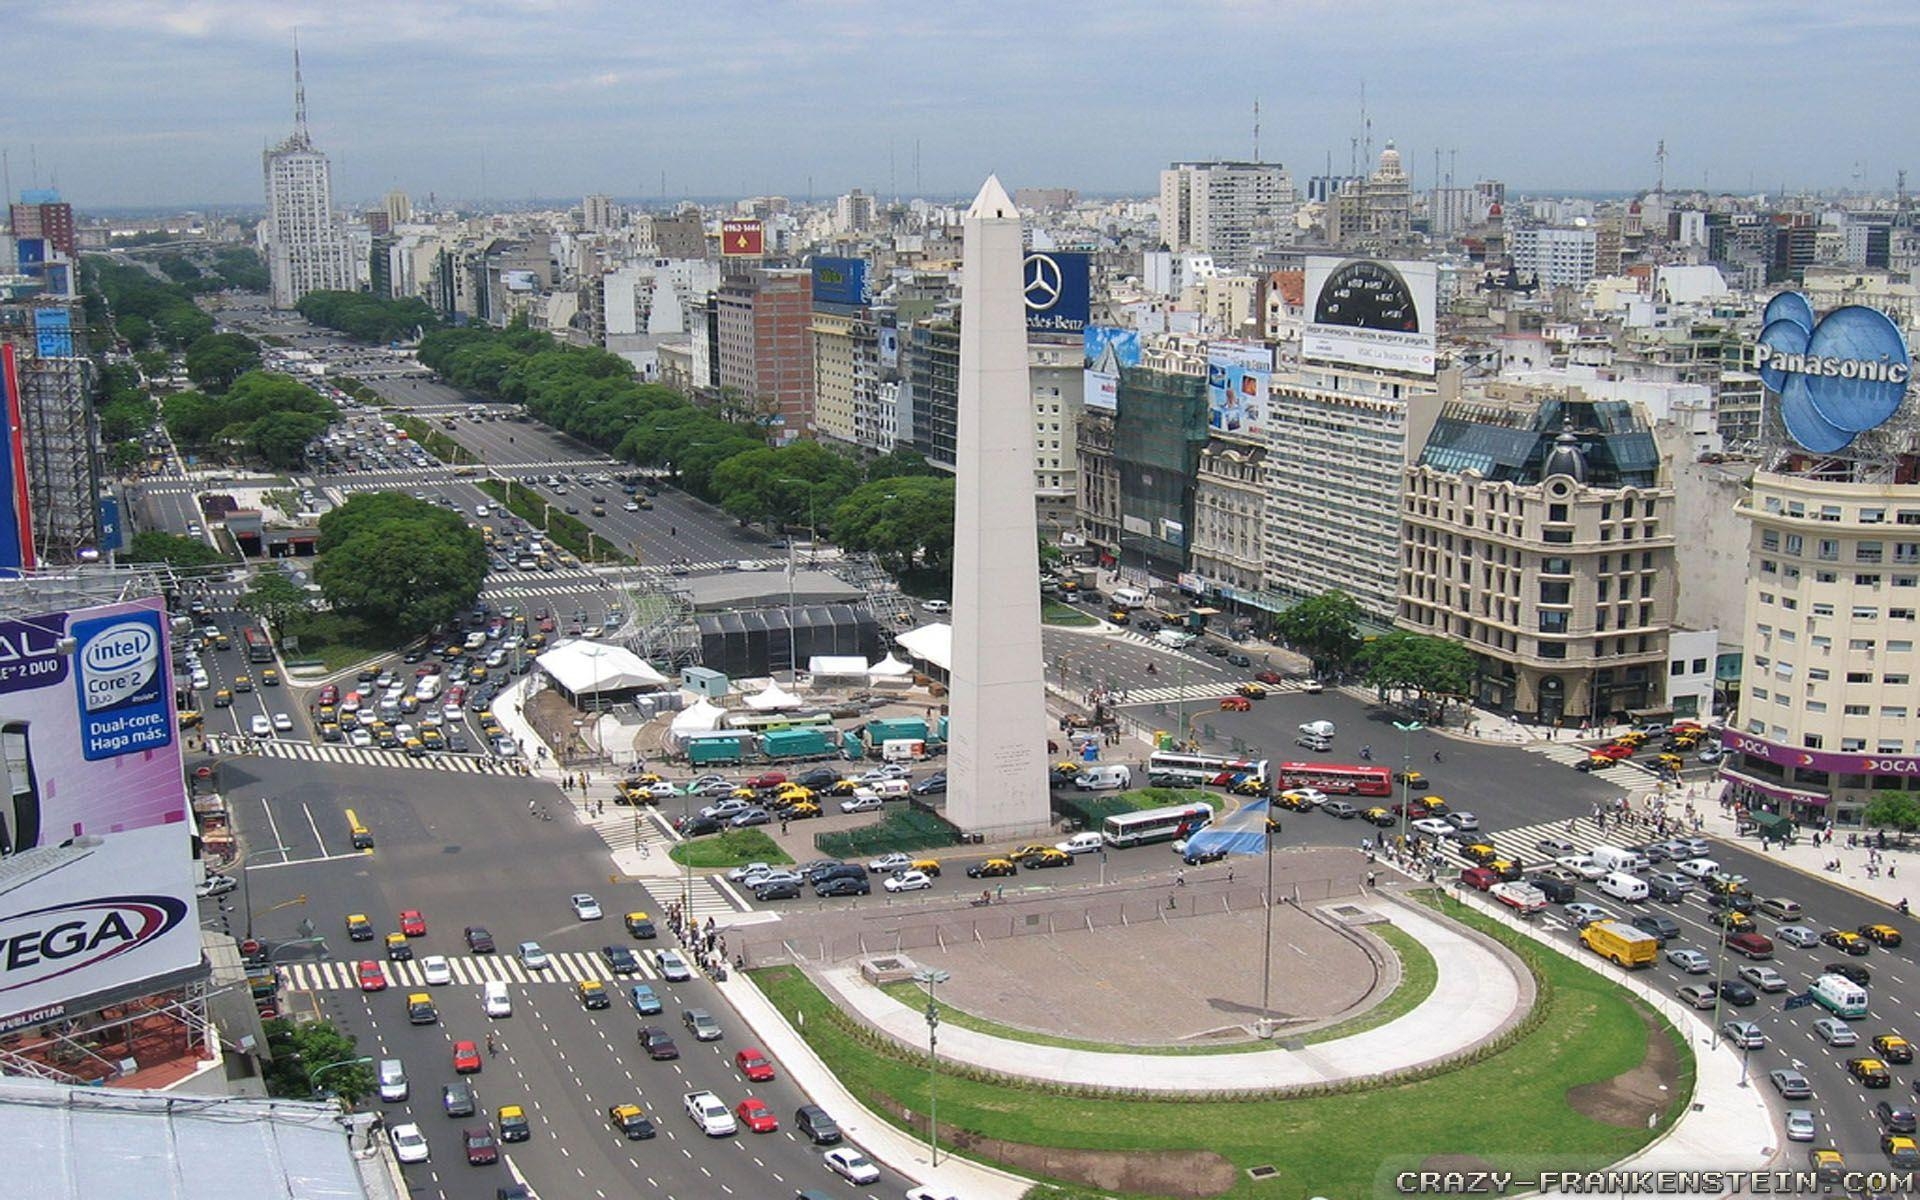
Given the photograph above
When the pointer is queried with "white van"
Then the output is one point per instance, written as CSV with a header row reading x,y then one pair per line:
x,y
1128,598
1104,777
1174,639
1084,842
1840,996
427,688
890,789
1613,858
1622,886
494,998
1315,735
393,1080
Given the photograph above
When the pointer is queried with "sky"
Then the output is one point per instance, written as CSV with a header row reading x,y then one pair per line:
x,y
152,103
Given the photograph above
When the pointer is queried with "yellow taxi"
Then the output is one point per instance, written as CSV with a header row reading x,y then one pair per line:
x,y
537,642
1252,691
1252,785
793,792
1632,737
189,718
1732,920
843,787
930,865
359,929
1893,1048
1378,815
1669,762
223,699
1294,800
1900,1149
992,867
630,1120
1046,856
242,683
1479,853
1828,1162
477,673
1508,869
222,642
1885,936
801,810
1436,806
330,731
514,1126
398,948
420,1009
1871,1072
1847,940
592,994
269,678
433,739
1412,779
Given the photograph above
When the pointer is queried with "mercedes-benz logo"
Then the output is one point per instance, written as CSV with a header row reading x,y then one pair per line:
x,y
1043,284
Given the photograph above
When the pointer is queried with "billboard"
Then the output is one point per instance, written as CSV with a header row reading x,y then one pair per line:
x,y
1109,348
1057,290
1238,376
97,893
16,512
743,237
1836,378
841,281
53,332
1371,313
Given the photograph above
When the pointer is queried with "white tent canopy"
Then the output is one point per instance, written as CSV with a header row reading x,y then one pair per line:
x,y
889,667
698,717
583,668
934,643
837,666
775,697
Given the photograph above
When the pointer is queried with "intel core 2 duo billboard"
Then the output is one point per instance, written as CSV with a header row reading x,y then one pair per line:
x,y
96,885
1836,377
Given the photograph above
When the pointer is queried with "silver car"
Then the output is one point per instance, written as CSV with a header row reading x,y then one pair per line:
x,y
1764,979
1800,1125
1797,935
1835,1032
1693,962
1743,1034
1791,1085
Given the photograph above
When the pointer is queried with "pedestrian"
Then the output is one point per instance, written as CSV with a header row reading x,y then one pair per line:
x,y
783,826
1890,867
1179,879
1000,892
532,806
1436,756
1229,874
1370,879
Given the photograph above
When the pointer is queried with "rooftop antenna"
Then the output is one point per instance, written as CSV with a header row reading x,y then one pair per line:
x,y
1660,159
918,191
1452,159
1366,124
1256,129
299,93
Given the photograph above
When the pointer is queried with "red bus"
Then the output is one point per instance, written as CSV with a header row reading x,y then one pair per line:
x,y
1335,779
259,645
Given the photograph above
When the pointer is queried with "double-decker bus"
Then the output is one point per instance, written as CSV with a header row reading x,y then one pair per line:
x,y
1155,824
1167,769
1335,779
259,645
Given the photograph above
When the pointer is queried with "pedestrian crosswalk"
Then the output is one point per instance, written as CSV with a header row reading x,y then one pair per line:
x,y
1180,694
471,970
642,829
583,586
703,896
226,743
1523,843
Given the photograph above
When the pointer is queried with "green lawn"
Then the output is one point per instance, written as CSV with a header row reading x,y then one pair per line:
x,y
1052,612
340,641
1418,975
1509,1109
734,848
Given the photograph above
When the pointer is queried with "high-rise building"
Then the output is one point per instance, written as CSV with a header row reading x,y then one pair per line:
x,y
59,430
399,208
599,213
307,250
853,213
1563,258
42,214
1223,208
1056,380
932,353
766,346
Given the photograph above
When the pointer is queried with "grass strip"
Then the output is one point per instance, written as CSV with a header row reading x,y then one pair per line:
x,y
734,848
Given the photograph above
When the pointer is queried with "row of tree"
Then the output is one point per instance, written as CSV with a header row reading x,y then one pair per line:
x,y
142,308
366,317
263,415
1326,628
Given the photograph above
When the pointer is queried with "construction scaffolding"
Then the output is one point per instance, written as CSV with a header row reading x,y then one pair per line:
x,y
59,431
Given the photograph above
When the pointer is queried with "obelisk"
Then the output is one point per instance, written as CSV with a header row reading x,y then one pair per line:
x,y
996,753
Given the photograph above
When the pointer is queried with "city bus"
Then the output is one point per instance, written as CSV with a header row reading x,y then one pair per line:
x,y
1335,779
259,645
1155,824
768,722
1166,769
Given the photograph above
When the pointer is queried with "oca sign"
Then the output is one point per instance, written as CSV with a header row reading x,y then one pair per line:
x,y
1836,378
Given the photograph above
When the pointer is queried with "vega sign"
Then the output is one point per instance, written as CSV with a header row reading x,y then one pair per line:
x,y
1837,377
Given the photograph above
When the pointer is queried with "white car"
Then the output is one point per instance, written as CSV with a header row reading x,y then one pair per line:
x,y
435,969
532,957
585,907
1311,797
850,1164
710,1114
1432,827
863,801
1797,935
1463,821
631,506
886,864
1582,866
908,881
662,790
409,1144
200,680
283,722
360,738
1699,868
936,606
742,873
215,885
260,726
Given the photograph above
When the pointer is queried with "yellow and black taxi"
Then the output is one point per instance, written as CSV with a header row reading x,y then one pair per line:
x,y
514,1126
800,810
1893,1048
930,866
640,925
1436,805
326,712
1250,785
592,993
189,718
433,739
1732,920
1900,1149
1066,770
631,1120
992,867
1048,856
242,683
792,792
1252,691
1020,852
1479,853
1828,1163
330,732
1508,869
1884,936
1847,940
1669,762
359,929
1378,815
420,1009
843,787
414,747
398,948
1871,1072
269,678
222,642
223,698
1633,737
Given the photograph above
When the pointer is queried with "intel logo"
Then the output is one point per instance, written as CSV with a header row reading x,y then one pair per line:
x,y
121,647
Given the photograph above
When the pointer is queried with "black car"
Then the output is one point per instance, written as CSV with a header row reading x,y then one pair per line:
x,y
1661,927
843,885
1895,1118
620,960
932,785
819,777
701,826
811,871
1557,891
778,889
1194,858
1668,892
1736,993
813,1121
1853,971
479,941
1237,659
658,1043
457,1098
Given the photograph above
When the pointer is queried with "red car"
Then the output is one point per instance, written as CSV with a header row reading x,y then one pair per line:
x,y
466,1058
481,1148
372,978
457,694
330,694
1753,945
1615,750
1479,877
412,923
755,1115
754,1065
546,625
767,779
1269,677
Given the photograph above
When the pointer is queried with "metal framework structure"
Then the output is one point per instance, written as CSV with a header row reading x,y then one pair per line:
x,y
1882,455
62,440
78,1047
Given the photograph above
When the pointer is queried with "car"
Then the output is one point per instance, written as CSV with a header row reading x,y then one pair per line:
x,y
913,881
1433,827
1698,995
631,1120
215,885
672,967
1871,1072
1664,928
359,929
1671,880
514,1126
1738,994
1744,1035
702,1025
751,817
1847,970
1846,940
532,957
372,976
456,1098
709,1114
1698,868
1556,848
481,1147
409,1144
1791,1085
991,867
1799,1125
435,969
1750,944
657,1043
259,726
398,950
887,864
1582,866
645,1002
479,941
1765,979
1046,856
842,885
756,1116
412,923
1900,1149
620,960
1797,935
1895,1118
1689,960
592,994
1235,704
1884,936
1583,913
1835,1032
1340,809
1479,878
1893,1048
466,1058
1557,875
585,907
283,723
640,925
851,1165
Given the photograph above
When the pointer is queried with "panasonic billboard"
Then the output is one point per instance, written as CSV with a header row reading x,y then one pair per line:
x,y
96,883
1837,377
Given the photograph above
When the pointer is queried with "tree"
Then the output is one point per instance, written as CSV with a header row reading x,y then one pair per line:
x,y
125,457
218,359
276,599
903,460
152,546
281,438
306,1058
399,561
136,329
906,521
1430,666
1893,810
371,511
1325,627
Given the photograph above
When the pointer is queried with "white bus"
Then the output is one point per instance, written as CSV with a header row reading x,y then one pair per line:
x,y
1155,824
1167,769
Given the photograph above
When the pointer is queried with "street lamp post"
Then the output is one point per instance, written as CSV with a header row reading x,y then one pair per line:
x,y
246,891
313,1077
928,978
1266,943
1407,729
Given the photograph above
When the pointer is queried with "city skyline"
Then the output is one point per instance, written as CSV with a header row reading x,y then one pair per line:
x,y
171,103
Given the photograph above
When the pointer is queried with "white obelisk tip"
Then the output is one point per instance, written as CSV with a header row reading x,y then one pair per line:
x,y
993,203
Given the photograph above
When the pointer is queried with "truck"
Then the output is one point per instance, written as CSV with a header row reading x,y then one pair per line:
x,y
1622,945
878,733
1523,898
786,745
727,746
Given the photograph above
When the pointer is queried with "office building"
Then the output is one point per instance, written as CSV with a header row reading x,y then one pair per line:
x,y
399,208
765,345
598,213
1056,379
306,248
1558,258
1539,533
1229,517
932,369
853,213
1224,208
42,214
